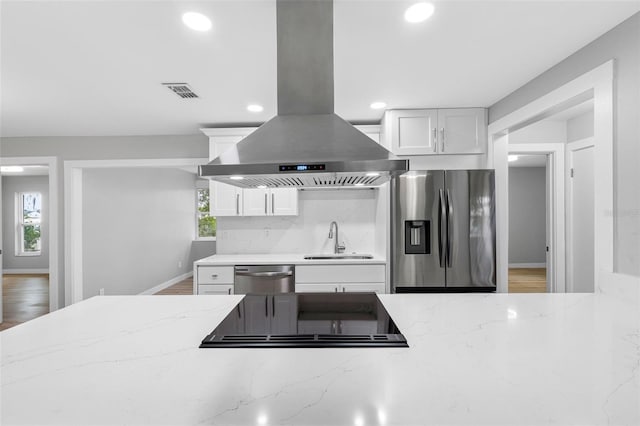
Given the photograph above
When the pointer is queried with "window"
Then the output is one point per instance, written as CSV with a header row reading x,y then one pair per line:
x,y
28,220
205,222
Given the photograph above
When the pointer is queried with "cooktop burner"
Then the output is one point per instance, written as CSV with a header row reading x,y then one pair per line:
x,y
306,320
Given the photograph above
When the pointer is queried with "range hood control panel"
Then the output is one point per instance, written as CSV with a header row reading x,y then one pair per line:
x,y
302,167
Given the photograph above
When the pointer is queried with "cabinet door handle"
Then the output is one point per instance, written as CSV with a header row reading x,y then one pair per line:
x,y
273,306
442,137
343,289
266,306
214,276
336,289
273,204
435,139
265,204
229,291
238,204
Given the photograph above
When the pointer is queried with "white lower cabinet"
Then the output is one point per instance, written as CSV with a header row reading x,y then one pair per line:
x,y
213,280
340,278
215,289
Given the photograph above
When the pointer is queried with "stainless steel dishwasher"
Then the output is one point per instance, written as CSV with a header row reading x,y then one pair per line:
x,y
264,279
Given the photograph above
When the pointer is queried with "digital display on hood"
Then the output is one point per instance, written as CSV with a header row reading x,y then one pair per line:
x,y
301,167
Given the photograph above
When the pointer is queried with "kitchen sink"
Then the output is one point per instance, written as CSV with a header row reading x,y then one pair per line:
x,y
337,256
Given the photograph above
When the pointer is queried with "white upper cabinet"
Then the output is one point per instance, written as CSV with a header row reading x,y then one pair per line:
x,y
226,200
462,130
283,201
412,132
435,131
229,200
270,202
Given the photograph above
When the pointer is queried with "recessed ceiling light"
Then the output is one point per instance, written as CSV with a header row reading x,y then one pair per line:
x,y
359,184
196,21
255,108
236,177
419,12
373,174
262,186
11,169
378,105
512,158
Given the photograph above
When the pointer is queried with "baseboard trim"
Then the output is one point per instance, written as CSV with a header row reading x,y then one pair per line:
x,y
169,283
527,265
25,271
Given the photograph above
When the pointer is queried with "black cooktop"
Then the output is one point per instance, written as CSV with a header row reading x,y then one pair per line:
x,y
306,320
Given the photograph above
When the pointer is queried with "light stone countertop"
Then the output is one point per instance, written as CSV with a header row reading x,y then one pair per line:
x,y
474,359
283,259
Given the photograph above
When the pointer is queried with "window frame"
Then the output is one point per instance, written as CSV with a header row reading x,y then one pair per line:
x,y
20,225
200,214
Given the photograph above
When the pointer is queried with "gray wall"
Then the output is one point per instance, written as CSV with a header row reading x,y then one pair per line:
x,y
99,148
527,215
622,44
137,225
11,185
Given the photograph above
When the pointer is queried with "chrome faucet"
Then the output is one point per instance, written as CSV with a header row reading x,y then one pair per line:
x,y
337,248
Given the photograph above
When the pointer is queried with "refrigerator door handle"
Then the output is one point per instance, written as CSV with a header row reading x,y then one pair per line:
x,y
450,213
441,228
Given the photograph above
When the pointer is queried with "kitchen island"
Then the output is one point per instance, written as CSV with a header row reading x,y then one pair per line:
x,y
473,359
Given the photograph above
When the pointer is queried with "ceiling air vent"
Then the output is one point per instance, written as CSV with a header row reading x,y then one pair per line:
x,y
181,89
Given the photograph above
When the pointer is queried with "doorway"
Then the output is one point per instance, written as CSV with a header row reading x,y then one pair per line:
x,y
529,219
26,233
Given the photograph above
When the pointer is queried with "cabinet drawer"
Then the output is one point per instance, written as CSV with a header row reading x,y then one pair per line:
x,y
341,288
340,273
215,289
215,275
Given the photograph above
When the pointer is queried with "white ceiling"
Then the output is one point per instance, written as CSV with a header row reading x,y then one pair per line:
x,y
95,67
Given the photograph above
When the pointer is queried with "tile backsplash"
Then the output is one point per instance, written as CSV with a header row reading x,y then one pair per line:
x,y
354,210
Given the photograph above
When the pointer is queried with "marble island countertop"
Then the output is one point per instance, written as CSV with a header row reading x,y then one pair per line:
x,y
474,359
282,259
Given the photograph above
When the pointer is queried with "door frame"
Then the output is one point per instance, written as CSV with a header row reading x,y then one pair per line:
x,y
555,153
73,211
596,84
578,145
54,223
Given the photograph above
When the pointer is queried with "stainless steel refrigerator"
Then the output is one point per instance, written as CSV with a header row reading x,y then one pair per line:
x,y
443,234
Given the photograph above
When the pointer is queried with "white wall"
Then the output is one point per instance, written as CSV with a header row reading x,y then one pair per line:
x,y
547,131
10,186
354,210
137,225
527,215
580,127
622,44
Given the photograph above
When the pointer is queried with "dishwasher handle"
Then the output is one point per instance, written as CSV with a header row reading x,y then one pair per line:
x,y
265,274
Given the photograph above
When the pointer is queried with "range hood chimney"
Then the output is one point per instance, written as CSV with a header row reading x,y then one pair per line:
x,y
306,144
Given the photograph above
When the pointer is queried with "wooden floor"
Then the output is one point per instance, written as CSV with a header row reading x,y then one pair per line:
x,y
24,297
184,287
527,280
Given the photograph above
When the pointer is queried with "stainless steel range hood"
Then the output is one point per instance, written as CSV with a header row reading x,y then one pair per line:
x,y
306,144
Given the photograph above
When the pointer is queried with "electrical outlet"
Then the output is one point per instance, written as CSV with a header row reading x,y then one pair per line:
x,y
179,263
102,292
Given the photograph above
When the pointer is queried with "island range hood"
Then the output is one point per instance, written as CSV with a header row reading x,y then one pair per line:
x,y
306,144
